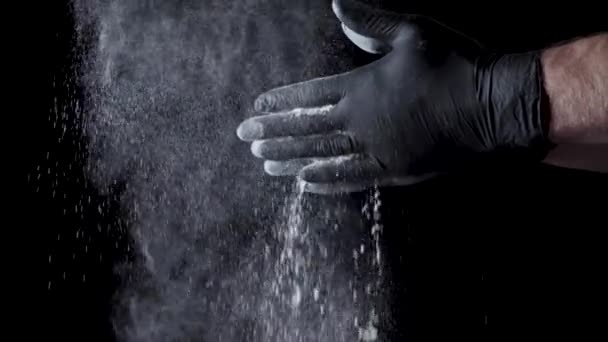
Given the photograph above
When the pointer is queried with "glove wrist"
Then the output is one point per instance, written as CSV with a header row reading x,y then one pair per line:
x,y
511,88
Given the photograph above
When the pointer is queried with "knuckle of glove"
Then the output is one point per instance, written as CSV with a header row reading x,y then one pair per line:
x,y
336,146
262,103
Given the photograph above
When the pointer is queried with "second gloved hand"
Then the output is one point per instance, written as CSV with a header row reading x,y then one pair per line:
x,y
434,102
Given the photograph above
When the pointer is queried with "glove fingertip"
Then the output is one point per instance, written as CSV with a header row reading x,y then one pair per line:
x,y
273,168
250,130
258,148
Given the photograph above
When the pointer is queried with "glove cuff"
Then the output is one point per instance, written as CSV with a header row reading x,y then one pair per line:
x,y
516,102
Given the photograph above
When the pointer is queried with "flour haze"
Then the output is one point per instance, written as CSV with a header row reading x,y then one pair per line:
x,y
167,83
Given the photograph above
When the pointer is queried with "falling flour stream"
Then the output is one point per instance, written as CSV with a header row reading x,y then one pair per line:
x,y
300,290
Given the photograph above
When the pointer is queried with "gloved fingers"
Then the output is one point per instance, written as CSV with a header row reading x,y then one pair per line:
x,y
334,188
349,187
313,93
297,122
287,167
371,22
366,44
348,168
354,169
330,145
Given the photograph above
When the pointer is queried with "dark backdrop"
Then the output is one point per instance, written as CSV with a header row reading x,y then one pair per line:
x,y
509,251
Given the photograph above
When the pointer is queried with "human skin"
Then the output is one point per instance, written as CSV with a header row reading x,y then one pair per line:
x,y
576,82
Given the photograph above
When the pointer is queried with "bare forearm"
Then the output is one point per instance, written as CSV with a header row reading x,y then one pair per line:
x,y
576,82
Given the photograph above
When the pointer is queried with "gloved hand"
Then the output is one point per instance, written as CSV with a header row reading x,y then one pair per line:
x,y
434,102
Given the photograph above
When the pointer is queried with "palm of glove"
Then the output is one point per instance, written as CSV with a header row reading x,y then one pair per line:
x,y
414,110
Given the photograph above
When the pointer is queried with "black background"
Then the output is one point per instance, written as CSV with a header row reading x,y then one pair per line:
x,y
508,252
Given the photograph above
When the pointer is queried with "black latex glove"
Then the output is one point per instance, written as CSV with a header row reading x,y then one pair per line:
x,y
436,101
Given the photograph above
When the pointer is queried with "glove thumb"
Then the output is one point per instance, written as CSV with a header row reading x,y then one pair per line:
x,y
372,29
